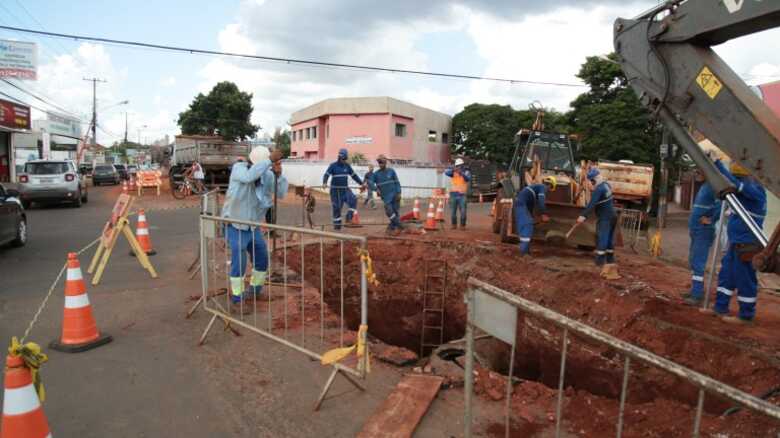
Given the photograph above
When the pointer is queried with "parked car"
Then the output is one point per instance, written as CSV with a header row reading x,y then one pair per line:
x,y
52,181
105,174
122,171
13,220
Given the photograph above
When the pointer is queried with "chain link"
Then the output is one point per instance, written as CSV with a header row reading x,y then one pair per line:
x,y
51,289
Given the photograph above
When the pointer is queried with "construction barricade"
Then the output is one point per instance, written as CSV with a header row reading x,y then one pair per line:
x,y
312,278
503,315
148,179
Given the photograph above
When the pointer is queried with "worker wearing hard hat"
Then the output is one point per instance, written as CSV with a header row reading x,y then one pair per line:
x,y
244,201
606,220
461,178
340,193
737,273
530,198
701,228
389,190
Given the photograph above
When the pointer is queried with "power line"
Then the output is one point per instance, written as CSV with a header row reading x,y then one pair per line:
x,y
285,60
40,99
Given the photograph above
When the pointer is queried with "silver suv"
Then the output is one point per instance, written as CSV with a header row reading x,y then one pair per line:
x,y
52,181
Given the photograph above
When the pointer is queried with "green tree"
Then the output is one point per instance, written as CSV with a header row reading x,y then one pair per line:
x,y
357,158
225,111
609,118
487,132
281,139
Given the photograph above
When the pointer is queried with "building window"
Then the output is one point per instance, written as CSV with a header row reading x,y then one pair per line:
x,y
327,131
293,136
308,133
400,130
314,132
432,136
445,138
300,135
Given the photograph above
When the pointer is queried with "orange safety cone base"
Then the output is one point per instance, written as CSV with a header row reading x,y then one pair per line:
x,y
78,348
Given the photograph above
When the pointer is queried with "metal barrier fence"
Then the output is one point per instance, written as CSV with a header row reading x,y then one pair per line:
x,y
630,223
257,313
407,192
495,311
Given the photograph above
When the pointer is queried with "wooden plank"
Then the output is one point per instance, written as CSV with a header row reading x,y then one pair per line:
x,y
403,409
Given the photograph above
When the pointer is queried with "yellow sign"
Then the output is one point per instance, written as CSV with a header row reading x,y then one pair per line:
x,y
709,82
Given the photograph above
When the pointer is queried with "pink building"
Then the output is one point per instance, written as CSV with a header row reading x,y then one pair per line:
x,y
371,126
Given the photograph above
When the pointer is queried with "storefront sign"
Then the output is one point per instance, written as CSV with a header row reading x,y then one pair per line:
x,y
46,149
18,59
13,115
360,140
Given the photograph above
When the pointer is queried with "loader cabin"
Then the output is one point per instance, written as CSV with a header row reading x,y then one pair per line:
x,y
546,154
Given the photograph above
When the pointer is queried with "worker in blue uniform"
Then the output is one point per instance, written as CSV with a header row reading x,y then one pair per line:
x,y
340,193
737,273
530,198
606,219
701,228
246,200
385,180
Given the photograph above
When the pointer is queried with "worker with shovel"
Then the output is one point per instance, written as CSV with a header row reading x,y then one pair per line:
x,y
701,228
389,189
529,198
606,221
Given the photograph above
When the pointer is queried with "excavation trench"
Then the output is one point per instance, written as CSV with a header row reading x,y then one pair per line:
x,y
562,280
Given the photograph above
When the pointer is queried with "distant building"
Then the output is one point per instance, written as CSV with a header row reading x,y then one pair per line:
x,y
371,126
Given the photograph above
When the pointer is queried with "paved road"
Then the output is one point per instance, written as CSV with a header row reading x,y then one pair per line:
x,y
153,381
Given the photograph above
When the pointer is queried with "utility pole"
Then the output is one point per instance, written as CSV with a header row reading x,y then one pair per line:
x,y
94,107
125,128
666,150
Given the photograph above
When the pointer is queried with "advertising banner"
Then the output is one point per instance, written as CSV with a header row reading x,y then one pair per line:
x,y
18,59
13,115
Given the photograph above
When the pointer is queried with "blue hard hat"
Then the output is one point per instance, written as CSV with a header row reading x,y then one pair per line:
x,y
593,173
343,154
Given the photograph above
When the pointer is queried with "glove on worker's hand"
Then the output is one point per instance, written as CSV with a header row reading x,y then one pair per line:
x,y
581,219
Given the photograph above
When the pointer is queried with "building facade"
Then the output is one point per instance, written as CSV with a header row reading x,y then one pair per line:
x,y
371,126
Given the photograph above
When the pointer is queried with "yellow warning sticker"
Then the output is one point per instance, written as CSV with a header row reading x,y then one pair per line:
x,y
709,83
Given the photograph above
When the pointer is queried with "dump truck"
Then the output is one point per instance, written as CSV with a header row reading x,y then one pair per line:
x,y
632,184
214,154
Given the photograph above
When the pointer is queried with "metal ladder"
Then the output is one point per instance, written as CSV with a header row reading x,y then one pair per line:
x,y
434,294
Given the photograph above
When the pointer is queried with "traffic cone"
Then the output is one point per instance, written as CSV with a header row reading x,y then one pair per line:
x,y
430,221
79,331
124,187
142,235
416,209
493,208
23,415
440,211
355,222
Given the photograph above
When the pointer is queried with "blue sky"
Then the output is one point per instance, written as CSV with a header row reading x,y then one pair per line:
x,y
518,39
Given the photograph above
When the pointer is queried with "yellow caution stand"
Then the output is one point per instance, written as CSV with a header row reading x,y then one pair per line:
x,y
116,225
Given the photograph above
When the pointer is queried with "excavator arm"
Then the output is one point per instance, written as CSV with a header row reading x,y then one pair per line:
x,y
666,54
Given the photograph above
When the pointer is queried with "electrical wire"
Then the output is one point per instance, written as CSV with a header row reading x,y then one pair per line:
x,y
38,98
284,60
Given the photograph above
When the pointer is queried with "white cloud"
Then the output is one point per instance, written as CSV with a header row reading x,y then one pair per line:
x,y
170,81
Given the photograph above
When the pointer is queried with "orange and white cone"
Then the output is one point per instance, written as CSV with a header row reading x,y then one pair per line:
x,y
355,221
79,331
430,220
440,211
23,415
124,186
416,209
142,235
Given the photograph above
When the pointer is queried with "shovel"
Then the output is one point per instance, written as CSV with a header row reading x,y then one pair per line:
x,y
574,227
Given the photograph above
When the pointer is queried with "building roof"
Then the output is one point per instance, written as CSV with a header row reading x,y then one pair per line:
x,y
359,105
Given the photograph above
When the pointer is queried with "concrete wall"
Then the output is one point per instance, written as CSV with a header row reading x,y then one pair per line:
x,y
309,173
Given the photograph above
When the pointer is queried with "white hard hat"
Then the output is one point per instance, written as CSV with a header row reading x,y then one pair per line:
x,y
459,162
258,154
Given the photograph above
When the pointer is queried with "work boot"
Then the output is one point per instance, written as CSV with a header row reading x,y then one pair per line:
x,y
691,300
736,320
610,272
454,226
462,226
253,292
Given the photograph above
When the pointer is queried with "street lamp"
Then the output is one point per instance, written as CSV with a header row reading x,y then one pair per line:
x,y
139,132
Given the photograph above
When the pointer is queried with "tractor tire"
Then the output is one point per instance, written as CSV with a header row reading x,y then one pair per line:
x,y
506,219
